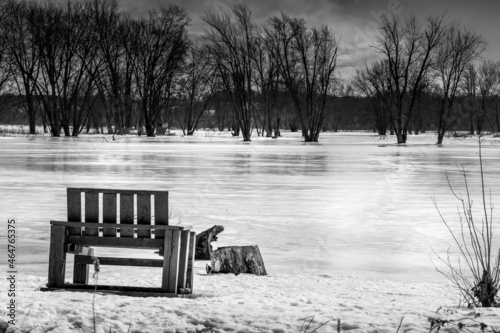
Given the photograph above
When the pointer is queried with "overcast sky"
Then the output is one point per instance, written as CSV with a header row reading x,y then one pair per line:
x,y
352,20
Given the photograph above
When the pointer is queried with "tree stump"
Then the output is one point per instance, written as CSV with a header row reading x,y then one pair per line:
x,y
203,240
238,259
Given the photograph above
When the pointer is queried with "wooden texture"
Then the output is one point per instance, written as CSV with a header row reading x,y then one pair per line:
x,y
57,256
171,254
183,259
126,214
138,243
203,240
117,226
78,249
112,261
118,290
91,213
190,267
176,243
74,210
238,259
109,213
115,191
81,268
161,212
144,214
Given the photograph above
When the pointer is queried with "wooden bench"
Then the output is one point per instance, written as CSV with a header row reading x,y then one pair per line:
x,y
107,224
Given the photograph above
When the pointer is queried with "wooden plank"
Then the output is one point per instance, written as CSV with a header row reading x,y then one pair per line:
x,y
143,214
117,226
191,258
126,214
171,261
91,213
81,269
146,243
115,191
74,210
109,213
161,212
139,262
57,256
117,290
183,260
78,249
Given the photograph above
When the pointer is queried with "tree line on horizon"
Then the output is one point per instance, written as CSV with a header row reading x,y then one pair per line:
x,y
76,65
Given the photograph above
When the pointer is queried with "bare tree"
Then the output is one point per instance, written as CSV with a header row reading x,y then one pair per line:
x,y
6,12
458,48
469,92
373,82
488,83
197,85
158,44
409,50
23,55
66,45
114,80
266,80
232,46
307,61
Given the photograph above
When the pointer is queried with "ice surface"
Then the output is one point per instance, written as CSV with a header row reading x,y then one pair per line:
x,y
351,204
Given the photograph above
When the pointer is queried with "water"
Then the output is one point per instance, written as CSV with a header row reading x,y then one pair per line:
x,y
352,204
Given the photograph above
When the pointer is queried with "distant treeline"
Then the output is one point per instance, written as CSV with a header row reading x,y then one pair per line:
x,y
85,65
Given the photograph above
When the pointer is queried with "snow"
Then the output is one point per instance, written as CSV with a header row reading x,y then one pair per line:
x,y
243,303
346,228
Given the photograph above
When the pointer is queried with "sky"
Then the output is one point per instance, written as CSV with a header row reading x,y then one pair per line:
x,y
353,21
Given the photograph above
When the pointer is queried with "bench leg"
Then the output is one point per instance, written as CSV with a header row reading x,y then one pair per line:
x,y
81,270
57,256
190,271
183,259
171,255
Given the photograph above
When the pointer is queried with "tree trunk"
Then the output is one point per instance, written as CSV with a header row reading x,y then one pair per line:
x,y
203,240
238,259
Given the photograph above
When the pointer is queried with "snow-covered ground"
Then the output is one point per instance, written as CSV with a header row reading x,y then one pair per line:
x,y
345,227
247,303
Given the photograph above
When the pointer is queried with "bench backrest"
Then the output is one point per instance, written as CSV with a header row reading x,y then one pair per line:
x,y
117,207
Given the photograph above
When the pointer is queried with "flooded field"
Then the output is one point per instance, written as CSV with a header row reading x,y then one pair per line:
x,y
351,204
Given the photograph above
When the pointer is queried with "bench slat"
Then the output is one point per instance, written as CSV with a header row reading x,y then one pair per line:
x,y
74,205
161,212
138,243
126,214
91,212
109,213
143,215
113,261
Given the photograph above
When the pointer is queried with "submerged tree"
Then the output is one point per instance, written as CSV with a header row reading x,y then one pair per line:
x,y
458,48
307,61
373,83
158,45
488,83
410,50
23,55
114,80
232,45
196,86
66,47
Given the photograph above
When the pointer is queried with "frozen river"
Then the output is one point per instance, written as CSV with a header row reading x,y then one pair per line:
x,y
352,204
